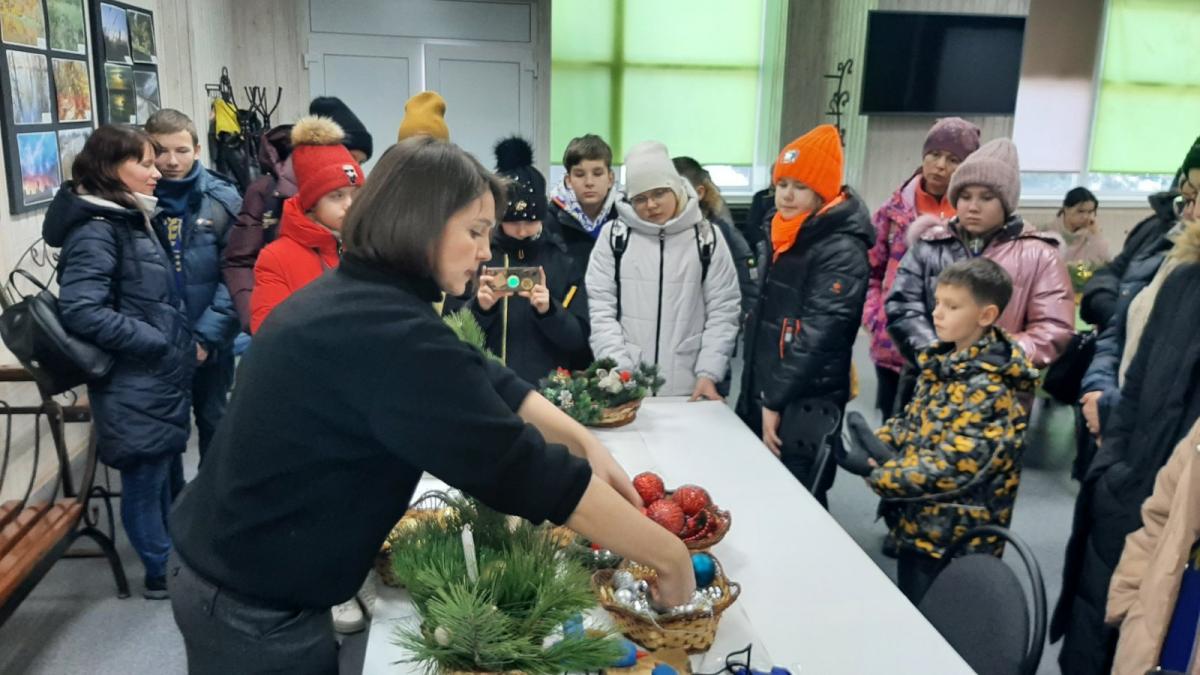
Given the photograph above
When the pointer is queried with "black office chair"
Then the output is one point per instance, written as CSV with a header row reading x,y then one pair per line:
x,y
978,604
811,424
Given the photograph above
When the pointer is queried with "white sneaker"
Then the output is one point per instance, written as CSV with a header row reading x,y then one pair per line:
x,y
366,595
348,617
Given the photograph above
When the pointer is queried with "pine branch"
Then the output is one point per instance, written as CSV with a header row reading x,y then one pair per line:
x,y
467,328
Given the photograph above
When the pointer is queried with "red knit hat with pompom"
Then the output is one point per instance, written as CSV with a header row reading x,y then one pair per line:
x,y
322,164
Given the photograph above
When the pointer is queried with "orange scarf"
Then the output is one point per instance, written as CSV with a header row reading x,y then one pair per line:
x,y
785,231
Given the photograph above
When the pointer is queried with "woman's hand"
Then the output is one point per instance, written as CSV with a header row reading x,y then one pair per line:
x,y
486,297
608,470
705,389
609,521
770,431
1090,403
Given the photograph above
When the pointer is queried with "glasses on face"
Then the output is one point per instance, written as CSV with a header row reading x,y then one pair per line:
x,y
1183,204
657,196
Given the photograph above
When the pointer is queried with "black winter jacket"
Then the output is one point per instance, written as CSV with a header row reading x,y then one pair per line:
x,y
1160,401
1105,294
533,344
117,291
800,334
578,242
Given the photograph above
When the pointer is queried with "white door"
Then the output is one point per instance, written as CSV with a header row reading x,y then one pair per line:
x,y
489,92
374,86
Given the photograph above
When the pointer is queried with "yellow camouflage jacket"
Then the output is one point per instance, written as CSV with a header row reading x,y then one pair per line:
x,y
958,445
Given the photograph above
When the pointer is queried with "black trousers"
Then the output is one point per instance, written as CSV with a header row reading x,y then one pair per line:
x,y
210,395
915,574
226,634
887,383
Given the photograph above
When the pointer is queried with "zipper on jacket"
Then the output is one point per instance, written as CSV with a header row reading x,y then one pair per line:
x,y
662,247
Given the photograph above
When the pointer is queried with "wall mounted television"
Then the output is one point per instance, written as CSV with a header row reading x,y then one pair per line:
x,y
941,64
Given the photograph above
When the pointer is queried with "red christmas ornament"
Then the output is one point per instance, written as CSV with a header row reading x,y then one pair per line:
x,y
692,499
668,514
626,376
649,486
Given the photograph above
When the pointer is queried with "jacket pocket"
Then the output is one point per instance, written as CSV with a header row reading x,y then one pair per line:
x,y
788,330
690,345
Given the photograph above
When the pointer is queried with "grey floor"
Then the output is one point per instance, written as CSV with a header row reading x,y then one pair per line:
x,y
74,623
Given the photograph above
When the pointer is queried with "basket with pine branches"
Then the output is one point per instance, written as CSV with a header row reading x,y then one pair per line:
x,y
502,614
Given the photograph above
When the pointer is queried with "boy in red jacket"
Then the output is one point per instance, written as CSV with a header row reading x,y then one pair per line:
x,y
309,231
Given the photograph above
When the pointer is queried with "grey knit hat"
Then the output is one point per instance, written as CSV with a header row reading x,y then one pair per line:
x,y
995,165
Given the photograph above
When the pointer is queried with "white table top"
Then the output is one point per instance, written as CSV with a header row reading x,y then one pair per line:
x,y
812,601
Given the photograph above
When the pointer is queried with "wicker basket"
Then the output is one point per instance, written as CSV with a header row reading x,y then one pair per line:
x,y
693,633
431,505
618,416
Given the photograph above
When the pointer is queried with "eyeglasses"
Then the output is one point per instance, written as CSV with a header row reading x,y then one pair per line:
x,y
657,196
1182,204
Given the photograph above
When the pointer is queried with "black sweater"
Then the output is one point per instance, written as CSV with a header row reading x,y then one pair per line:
x,y
352,388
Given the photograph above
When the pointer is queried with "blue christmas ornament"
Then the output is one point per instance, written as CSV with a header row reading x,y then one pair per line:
x,y
628,657
663,669
705,568
573,627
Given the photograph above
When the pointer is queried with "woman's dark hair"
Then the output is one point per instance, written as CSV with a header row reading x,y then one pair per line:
x,y
698,176
397,219
109,146
1076,196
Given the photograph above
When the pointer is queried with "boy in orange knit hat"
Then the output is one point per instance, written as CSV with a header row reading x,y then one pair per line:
x,y
812,286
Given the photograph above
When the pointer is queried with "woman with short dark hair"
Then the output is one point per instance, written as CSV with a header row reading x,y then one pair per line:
x,y
117,291
351,391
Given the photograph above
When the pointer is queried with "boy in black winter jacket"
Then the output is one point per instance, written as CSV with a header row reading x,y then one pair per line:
x,y
813,282
545,327
585,200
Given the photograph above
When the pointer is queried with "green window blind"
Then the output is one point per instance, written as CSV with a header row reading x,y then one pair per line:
x,y
1148,110
684,72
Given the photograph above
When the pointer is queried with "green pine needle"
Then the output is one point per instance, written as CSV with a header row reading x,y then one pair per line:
x,y
467,328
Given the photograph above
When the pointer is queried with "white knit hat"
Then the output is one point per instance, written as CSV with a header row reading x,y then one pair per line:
x,y
648,166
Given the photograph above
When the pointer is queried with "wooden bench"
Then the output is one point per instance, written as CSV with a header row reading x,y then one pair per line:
x,y
39,525
37,531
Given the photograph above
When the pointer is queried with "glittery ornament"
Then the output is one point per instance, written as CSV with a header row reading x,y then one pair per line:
x,y
641,586
623,579
624,596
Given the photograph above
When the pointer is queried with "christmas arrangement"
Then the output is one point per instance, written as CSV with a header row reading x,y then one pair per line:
x,y
603,395
625,594
688,511
494,595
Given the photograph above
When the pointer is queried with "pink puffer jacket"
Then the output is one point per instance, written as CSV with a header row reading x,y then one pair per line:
x,y
1041,314
891,223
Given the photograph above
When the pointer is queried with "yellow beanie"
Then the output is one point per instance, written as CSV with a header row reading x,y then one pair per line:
x,y
424,113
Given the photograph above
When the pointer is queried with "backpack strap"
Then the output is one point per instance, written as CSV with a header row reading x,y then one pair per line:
x,y
618,241
706,244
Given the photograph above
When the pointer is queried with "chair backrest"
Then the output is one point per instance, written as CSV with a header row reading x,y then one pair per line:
x,y
810,422
995,631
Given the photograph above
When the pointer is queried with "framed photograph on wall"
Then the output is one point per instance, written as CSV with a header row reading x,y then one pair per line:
x,y
125,57
46,104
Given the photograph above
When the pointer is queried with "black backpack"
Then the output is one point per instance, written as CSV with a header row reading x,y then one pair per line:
x,y
618,241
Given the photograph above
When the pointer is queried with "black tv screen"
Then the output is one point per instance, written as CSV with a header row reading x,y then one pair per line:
x,y
941,63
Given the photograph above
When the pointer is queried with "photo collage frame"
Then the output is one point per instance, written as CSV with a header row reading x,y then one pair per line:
x,y
125,51
46,105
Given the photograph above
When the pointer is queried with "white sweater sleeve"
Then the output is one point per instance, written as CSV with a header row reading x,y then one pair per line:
x,y
722,306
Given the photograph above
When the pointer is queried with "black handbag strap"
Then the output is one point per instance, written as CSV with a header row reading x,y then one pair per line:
x,y
28,277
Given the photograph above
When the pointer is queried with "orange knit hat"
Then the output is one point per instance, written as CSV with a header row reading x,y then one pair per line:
x,y
814,159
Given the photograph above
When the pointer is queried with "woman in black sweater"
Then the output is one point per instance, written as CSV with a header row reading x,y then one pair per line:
x,y
352,389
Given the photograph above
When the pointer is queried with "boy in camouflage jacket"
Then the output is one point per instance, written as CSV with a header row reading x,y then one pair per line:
x,y
959,442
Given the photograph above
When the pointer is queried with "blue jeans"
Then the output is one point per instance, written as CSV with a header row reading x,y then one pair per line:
x,y
145,504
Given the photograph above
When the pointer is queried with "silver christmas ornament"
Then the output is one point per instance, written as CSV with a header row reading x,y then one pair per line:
x,y
624,579
624,596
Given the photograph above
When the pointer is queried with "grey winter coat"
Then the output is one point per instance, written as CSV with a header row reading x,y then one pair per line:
x,y
668,316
